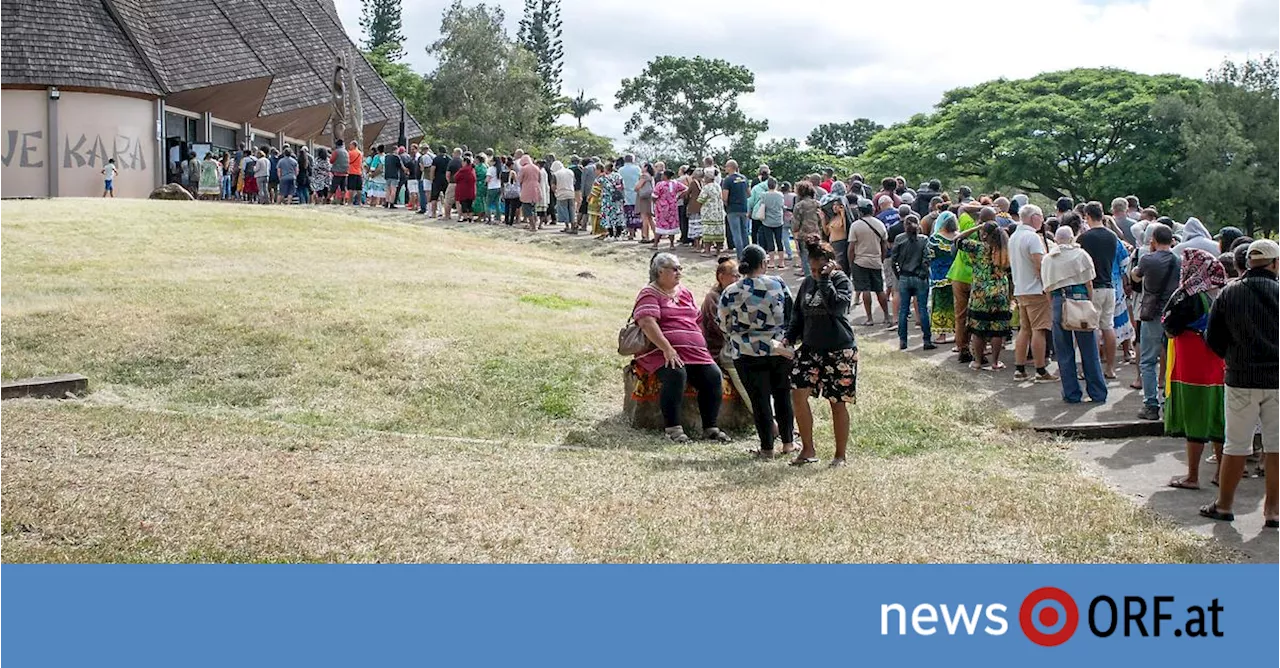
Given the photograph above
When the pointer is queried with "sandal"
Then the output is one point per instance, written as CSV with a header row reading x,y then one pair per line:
x,y
763,454
1271,524
1135,385
836,464
676,435
803,461
1180,482
1211,511
998,367
715,434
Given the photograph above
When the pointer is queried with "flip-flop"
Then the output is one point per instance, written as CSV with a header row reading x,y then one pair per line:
x,y
1135,386
802,461
763,454
1271,524
837,463
1180,482
1211,511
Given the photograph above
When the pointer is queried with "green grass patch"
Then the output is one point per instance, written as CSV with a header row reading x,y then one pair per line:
x,y
554,302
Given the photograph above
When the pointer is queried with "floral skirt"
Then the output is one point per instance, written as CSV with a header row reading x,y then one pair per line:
x,y
712,231
942,308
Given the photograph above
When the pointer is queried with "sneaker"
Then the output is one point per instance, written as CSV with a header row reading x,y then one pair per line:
x,y
1046,377
930,346
1149,413
1020,375
965,357
902,345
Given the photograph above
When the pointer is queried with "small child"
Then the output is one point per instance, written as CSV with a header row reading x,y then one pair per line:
x,y
109,177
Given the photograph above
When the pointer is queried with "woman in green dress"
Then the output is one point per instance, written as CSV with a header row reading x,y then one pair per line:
x,y
210,178
942,302
989,316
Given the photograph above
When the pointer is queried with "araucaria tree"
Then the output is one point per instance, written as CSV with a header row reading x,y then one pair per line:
x,y
692,101
540,30
380,21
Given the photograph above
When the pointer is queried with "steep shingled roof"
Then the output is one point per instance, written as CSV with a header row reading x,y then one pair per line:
x,y
166,47
35,38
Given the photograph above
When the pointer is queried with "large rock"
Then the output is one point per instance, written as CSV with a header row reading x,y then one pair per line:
x,y
642,412
171,191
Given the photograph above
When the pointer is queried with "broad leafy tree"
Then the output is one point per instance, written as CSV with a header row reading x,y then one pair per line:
x,y
843,139
407,85
1089,133
486,90
1230,137
692,101
380,21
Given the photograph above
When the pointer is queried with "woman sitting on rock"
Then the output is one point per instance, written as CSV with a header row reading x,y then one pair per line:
x,y
667,313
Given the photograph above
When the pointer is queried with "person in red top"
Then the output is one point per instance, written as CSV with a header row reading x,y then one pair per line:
x,y
888,188
465,188
828,179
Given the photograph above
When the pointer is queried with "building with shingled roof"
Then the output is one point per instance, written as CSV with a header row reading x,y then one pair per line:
x,y
144,81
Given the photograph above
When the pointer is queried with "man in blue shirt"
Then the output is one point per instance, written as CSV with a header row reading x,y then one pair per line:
x,y
734,188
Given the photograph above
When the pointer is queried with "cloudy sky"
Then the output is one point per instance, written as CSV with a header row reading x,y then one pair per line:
x,y
822,64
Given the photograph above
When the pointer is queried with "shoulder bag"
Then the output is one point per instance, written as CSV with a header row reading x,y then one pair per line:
x,y
1079,315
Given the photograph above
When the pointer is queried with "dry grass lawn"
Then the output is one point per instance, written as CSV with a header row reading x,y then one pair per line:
x,y
309,385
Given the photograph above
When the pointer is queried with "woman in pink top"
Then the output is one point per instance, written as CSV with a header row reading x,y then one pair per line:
x,y
530,189
668,315
667,208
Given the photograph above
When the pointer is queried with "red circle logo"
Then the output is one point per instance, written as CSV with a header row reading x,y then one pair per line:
x,y
1048,616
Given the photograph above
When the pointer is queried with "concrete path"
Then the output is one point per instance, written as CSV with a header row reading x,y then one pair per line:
x,y
1138,468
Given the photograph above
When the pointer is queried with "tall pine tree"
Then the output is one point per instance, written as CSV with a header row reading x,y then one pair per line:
x,y
540,29
380,20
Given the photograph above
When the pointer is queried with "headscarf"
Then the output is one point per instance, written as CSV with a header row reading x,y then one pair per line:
x,y
837,189
1201,272
942,221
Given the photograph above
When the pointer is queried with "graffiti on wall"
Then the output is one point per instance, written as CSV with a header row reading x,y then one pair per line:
x,y
126,150
31,143
25,148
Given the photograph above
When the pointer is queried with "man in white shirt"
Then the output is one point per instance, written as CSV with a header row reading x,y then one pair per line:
x,y
1026,251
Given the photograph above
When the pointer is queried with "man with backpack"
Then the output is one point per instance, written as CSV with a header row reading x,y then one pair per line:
x,y
868,247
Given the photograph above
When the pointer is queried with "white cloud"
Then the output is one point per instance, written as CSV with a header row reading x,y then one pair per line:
x,y
842,61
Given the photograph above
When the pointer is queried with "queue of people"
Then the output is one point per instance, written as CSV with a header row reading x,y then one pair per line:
x,y
1079,294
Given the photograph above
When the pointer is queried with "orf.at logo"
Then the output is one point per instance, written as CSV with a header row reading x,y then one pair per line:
x,y
1048,616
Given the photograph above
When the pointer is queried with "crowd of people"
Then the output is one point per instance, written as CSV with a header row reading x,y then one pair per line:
x,y
1079,293
1086,290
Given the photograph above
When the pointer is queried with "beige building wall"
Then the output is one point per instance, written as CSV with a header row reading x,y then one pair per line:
x,y
92,128
23,117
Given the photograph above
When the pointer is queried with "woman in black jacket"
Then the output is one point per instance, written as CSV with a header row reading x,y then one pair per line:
x,y
826,361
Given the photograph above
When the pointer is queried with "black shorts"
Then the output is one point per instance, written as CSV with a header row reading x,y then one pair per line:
x,y
355,182
437,190
339,183
867,280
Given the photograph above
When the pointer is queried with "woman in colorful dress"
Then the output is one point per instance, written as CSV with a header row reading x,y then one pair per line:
x,y
377,180
210,177
989,314
1195,401
666,206
594,198
942,301
712,214
612,217
321,177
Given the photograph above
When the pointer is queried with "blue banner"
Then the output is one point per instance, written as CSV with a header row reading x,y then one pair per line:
x,y
117,615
